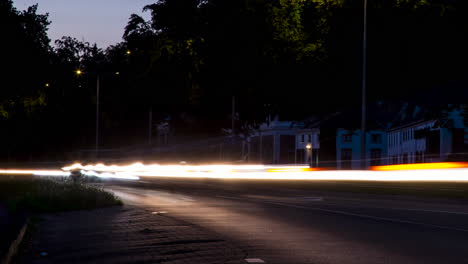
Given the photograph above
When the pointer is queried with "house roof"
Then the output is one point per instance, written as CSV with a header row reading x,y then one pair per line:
x,y
409,114
379,116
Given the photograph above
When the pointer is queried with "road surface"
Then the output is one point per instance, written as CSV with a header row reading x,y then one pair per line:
x,y
276,224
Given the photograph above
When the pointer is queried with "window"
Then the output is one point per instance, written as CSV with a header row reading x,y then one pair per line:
x,y
310,138
376,155
395,160
376,138
347,138
346,157
302,138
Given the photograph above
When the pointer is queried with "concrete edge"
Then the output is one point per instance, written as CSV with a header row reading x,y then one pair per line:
x,y
15,244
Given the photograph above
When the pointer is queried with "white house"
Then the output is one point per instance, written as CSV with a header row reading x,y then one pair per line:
x,y
409,143
427,140
348,148
284,142
307,146
273,142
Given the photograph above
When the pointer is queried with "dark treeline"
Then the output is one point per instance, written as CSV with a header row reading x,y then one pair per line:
x,y
294,58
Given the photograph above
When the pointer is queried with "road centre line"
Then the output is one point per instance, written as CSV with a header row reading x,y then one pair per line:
x,y
429,211
254,260
387,219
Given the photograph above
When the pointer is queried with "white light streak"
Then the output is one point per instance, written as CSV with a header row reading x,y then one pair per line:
x,y
264,172
36,172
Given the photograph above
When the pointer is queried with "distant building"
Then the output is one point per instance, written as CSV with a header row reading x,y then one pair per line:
x,y
307,146
395,134
273,143
348,148
421,139
284,142
348,136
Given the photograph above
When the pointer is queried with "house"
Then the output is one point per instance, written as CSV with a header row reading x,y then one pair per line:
x,y
284,142
348,148
307,146
418,137
273,143
348,136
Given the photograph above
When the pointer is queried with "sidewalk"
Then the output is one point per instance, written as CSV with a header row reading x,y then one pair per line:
x,y
4,230
10,226
126,235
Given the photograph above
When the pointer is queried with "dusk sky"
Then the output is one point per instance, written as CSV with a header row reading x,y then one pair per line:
x,y
95,21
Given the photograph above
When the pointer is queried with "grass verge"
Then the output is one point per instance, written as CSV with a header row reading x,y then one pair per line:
x,y
45,195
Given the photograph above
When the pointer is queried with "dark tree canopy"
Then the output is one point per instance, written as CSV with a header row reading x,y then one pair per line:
x,y
295,58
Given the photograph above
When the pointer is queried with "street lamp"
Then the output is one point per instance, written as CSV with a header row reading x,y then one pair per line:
x,y
363,92
80,72
309,154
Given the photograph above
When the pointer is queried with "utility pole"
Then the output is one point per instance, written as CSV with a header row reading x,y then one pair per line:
x,y
233,109
364,77
150,125
97,116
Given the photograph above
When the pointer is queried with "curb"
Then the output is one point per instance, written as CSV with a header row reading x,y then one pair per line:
x,y
15,244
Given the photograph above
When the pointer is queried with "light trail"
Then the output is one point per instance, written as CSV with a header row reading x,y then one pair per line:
x,y
36,172
438,172
67,173
441,172
422,166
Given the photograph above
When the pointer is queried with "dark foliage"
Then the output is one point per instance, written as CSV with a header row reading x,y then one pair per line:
x,y
292,58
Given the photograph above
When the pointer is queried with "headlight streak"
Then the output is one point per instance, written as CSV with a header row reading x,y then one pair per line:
x,y
65,173
37,172
439,172
422,166
111,175
442,172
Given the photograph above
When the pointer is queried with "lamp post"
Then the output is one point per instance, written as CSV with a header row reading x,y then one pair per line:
x,y
309,154
97,117
80,72
363,92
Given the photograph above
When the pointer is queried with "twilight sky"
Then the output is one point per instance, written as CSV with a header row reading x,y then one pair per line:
x,y
95,21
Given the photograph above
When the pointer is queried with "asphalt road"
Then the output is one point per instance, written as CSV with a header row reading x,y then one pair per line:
x,y
290,224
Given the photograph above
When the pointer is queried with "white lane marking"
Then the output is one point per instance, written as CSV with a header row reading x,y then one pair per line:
x,y
254,260
144,181
161,212
315,199
429,211
387,219
189,199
